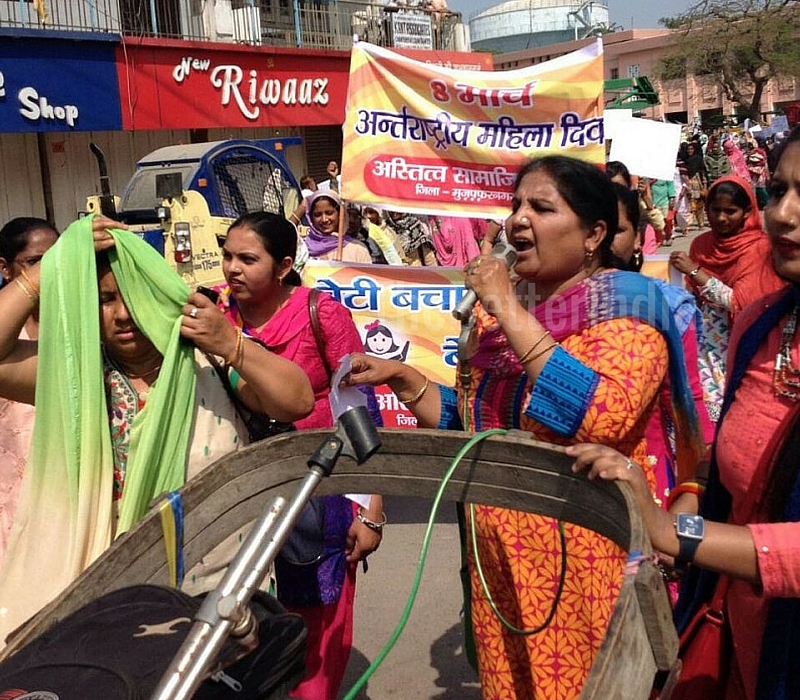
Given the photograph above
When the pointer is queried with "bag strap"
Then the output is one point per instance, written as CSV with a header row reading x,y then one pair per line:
x,y
716,605
313,312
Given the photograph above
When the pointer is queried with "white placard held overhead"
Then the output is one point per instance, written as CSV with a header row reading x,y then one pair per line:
x,y
614,121
648,148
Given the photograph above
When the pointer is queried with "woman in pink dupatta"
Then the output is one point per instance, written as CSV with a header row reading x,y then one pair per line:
x,y
264,297
455,239
750,523
23,242
736,158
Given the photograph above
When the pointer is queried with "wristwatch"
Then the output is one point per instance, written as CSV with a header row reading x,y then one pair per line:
x,y
690,529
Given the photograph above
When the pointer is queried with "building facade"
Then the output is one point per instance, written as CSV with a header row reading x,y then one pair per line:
x,y
694,99
134,75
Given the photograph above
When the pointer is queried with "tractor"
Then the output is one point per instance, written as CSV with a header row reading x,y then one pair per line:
x,y
182,199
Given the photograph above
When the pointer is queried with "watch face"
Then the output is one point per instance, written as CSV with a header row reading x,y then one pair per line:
x,y
689,525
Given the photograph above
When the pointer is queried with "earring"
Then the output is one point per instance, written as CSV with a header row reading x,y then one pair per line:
x,y
637,259
589,254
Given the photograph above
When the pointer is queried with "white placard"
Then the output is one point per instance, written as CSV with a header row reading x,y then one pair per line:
x,y
648,148
614,121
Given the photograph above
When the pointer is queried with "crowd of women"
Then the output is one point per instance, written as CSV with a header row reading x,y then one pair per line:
x,y
704,158
690,394
381,236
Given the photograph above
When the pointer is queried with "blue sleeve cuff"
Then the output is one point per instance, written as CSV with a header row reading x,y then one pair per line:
x,y
562,393
449,418
372,405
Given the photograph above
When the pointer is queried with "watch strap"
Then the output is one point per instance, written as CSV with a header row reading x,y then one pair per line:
x,y
687,551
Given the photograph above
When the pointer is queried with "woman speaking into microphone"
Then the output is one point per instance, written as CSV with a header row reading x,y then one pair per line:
x,y
565,354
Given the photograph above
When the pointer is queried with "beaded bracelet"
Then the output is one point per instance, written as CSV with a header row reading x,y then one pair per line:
x,y
416,397
371,524
231,359
686,487
533,347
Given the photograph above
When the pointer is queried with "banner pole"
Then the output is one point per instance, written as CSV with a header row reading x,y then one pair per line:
x,y
340,241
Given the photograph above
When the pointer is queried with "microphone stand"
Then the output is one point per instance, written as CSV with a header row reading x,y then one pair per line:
x,y
225,610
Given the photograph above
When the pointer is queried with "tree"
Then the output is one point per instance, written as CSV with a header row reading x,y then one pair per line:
x,y
602,28
742,44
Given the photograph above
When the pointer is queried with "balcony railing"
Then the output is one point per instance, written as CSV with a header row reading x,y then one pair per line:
x,y
300,23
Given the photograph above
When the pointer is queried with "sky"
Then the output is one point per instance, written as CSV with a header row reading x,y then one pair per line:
x,y
636,14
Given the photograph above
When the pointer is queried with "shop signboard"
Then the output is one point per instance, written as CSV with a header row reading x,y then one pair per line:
x,y
180,85
58,83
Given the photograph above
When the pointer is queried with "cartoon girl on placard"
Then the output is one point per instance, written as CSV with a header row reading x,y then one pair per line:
x,y
379,342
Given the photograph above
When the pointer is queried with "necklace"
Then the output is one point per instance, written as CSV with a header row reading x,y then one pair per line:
x,y
785,376
143,375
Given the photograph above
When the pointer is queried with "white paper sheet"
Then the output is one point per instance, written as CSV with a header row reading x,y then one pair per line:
x,y
648,148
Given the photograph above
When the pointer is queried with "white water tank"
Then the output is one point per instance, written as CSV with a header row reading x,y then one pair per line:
x,y
517,25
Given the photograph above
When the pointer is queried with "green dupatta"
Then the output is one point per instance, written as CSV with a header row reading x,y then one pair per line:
x,y
65,518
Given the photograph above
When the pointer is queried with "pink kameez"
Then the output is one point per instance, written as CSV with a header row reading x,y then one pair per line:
x,y
742,438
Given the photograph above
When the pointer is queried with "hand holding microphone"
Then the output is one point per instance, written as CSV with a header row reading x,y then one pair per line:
x,y
502,251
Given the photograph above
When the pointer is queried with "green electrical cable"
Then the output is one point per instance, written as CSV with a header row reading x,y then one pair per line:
x,y
485,586
479,437
465,419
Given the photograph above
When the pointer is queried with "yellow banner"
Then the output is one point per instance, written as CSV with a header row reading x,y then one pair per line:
x,y
434,140
402,313
406,314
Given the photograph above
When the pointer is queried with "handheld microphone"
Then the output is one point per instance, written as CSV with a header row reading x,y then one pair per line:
x,y
501,250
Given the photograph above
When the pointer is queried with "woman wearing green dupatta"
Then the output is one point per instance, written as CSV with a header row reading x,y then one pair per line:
x,y
127,409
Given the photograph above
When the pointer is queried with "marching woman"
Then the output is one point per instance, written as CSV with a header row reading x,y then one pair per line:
x,y
727,268
743,546
264,299
566,355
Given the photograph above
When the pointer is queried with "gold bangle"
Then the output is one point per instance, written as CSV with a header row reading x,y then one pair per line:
x,y
541,352
295,218
231,359
416,397
34,288
240,351
28,294
524,358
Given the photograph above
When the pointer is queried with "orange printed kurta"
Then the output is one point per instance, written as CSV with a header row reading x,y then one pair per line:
x,y
520,553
